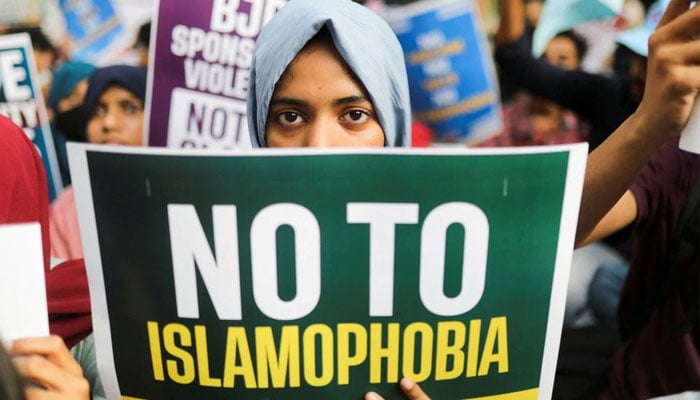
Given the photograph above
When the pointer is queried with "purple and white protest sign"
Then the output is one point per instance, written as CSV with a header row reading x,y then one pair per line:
x,y
201,58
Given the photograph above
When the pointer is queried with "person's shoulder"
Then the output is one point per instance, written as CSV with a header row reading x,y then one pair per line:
x,y
84,347
671,154
15,142
667,176
6,123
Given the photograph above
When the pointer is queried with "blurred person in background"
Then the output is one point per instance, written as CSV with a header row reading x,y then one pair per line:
x,y
142,44
605,101
65,99
531,120
112,114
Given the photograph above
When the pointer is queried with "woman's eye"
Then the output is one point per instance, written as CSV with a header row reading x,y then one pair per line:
x,y
132,108
99,111
357,116
289,118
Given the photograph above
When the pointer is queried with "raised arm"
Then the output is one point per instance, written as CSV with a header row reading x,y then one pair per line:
x,y
572,89
673,80
512,22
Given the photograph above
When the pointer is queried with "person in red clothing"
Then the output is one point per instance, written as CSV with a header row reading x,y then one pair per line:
x,y
24,198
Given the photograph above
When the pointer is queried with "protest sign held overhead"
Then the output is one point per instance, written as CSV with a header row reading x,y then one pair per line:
x,y
450,69
201,60
21,101
297,275
94,29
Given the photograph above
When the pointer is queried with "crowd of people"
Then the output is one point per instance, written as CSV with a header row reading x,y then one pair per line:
x,y
339,80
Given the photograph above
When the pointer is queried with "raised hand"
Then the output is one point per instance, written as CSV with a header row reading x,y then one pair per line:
x,y
673,72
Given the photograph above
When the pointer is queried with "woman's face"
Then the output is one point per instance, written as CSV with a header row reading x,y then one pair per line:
x,y
561,51
318,103
117,118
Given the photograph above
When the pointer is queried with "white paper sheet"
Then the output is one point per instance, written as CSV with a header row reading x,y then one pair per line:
x,y
23,310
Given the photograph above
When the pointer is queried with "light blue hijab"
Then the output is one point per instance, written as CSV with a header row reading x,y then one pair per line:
x,y
363,39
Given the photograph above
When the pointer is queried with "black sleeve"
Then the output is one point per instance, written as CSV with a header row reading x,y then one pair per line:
x,y
576,90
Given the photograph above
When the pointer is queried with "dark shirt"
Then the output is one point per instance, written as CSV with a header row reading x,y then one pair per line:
x,y
658,357
604,101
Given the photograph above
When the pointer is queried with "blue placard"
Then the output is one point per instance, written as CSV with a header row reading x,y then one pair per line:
x,y
22,102
450,71
93,25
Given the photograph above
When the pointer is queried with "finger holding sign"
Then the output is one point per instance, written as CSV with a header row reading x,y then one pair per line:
x,y
410,389
673,10
47,363
673,73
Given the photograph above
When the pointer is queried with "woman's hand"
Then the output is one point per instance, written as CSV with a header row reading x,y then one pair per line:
x,y
672,84
410,389
50,369
673,71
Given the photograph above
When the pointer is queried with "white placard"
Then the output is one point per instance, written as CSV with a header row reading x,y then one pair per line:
x,y
690,137
22,287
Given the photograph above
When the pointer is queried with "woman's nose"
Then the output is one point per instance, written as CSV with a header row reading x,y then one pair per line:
x,y
321,133
110,121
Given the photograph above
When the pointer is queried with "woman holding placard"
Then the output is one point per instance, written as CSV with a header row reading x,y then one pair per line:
x,y
337,79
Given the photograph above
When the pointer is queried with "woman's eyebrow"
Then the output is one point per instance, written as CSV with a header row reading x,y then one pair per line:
x,y
130,101
358,98
288,101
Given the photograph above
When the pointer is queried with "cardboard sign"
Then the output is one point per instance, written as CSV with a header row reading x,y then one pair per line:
x,y
22,102
450,68
298,275
22,288
201,58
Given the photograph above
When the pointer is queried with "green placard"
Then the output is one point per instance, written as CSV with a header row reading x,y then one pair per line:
x,y
298,275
